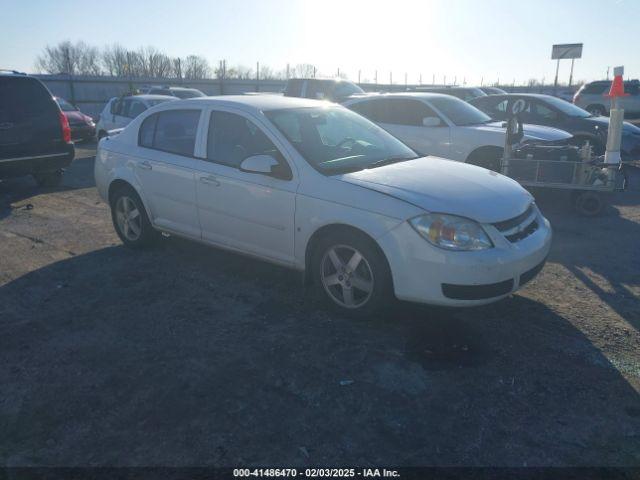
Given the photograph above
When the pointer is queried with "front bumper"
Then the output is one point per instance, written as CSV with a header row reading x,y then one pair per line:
x,y
427,274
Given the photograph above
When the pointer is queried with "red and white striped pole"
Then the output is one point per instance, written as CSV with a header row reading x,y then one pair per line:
x,y
616,118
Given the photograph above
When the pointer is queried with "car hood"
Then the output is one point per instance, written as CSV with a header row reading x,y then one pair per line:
x,y
447,186
531,132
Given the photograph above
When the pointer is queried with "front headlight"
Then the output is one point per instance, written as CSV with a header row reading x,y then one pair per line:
x,y
451,232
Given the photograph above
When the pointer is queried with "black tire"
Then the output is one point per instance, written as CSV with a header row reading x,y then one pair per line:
x,y
597,110
146,235
489,158
48,179
589,204
380,297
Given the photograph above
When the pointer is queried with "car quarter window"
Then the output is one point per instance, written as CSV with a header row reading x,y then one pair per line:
x,y
172,131
232,138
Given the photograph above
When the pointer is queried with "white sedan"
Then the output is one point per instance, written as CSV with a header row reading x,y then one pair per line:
x,y
318,188
445,126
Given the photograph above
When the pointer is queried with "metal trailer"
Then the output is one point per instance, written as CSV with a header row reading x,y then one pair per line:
x,y
591,181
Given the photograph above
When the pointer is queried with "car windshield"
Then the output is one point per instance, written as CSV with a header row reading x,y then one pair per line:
x,y
64,105
336,140
459,112
567,108
188,93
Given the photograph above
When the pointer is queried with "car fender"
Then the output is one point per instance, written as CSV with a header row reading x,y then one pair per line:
x,y
465,140
109,168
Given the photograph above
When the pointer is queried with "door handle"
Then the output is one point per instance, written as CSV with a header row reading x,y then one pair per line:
x,y
210,180
145,165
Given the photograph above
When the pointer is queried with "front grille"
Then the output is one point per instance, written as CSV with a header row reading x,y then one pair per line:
x,y
520,227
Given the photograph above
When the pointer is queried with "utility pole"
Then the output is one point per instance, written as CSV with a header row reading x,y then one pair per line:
x,y
433,79
376,77
257,76
555,82
405,79
571,74
287,71
390,78
608,72
359,72
420,79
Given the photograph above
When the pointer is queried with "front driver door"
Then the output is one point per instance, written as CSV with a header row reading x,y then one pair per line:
x,y
250,212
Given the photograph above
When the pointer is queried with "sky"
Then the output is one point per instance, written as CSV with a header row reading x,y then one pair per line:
x,y
470,41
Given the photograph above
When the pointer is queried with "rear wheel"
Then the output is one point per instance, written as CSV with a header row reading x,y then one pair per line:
x,y
589,203
48,179
352,274
597,110
130,219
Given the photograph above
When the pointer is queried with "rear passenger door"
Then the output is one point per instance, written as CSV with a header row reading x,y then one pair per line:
x,y
165,167
250,212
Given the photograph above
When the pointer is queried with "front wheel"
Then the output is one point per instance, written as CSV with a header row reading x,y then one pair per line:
x,y
130,219
352,274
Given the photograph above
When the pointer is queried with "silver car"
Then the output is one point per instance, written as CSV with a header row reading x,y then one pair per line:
x,y
591,97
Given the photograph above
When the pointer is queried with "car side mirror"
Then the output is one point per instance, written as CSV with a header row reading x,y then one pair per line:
x,y
264,164
431,122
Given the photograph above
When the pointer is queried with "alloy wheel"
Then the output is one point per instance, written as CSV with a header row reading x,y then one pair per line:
x,y
346,276
128,218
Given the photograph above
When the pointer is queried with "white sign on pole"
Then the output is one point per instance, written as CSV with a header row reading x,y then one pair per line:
x,y
566,50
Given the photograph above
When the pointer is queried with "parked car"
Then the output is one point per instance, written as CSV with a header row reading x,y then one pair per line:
x,y
591,97
35,137
179,92
554,112
492,90
82,126
445,126
463,93
318,188
119,111
335,90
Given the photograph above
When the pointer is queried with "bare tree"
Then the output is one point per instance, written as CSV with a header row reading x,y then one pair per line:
x,y
114,60
304,70
71,58
196,67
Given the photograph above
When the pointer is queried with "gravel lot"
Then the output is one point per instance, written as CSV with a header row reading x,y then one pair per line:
x,y
185,355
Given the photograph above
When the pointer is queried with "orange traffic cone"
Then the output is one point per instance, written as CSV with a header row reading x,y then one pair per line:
x,y
617,88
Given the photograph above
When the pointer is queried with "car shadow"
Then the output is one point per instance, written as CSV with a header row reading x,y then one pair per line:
x,y
184,355
601,252
14,190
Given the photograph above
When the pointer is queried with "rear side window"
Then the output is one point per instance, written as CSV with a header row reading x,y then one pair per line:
x,y
595,88
24,97
136,109
395,111
172,131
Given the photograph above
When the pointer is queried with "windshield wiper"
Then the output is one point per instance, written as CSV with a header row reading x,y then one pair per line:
x,y
390,160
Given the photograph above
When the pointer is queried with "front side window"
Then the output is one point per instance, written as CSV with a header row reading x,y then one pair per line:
x,y
116,105
335,140
172,131
232,138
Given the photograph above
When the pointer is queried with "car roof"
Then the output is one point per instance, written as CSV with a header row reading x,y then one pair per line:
x,y
148,96
262,103
424,95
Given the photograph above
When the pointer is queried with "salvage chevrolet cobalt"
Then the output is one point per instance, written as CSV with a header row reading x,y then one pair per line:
x,y
318,188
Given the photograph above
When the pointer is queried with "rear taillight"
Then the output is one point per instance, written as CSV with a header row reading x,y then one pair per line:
x,y
66,129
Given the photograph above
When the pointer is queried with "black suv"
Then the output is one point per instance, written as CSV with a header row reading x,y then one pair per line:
x,y
35,138
335,90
